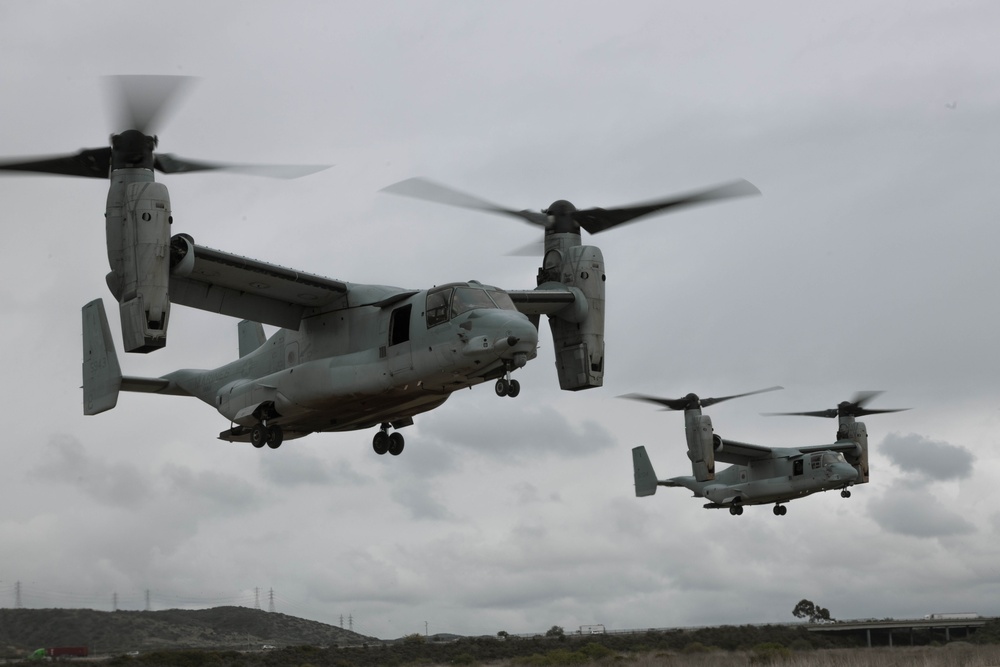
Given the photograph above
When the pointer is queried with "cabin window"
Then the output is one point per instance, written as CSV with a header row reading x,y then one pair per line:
x,y
816,462
399,325
797,467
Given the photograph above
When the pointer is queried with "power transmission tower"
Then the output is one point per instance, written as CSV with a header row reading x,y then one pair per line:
x,y
341,621
148,607
350,622
270,601
17,595
256,597
114,602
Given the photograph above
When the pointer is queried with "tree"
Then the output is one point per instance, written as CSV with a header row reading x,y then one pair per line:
x,y
555,631
815,613
503,634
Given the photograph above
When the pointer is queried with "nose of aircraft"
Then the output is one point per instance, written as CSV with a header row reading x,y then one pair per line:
x,y
517,333
845,472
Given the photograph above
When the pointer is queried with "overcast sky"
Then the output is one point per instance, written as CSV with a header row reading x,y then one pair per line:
x,y
869,263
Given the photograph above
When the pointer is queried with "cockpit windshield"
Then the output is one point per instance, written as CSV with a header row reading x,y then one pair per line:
x,y
450,301
829,458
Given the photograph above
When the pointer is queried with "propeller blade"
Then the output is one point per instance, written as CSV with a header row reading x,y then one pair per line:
x,y
422,188
596,220
705,402
142,100
818,413
691,401
534,249
852,408
90,162
171,164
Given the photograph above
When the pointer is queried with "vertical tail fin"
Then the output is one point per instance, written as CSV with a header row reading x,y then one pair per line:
x,y
645,478
251,336
102,374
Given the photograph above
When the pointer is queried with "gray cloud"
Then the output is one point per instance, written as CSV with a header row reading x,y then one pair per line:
x,y
914,510
66,460
291,468
932,459
515,434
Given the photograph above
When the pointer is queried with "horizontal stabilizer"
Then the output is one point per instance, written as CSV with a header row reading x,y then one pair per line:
x,y
102,374
645,478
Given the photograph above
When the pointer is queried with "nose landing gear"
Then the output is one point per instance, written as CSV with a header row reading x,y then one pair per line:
x,y
507,387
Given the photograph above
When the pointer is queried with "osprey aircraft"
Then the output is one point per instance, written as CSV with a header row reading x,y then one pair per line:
x,y
761,475
346,356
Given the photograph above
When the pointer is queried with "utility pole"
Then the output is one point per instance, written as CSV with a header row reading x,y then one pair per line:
x,y
17,595
114,601
270,603
148,607
425,628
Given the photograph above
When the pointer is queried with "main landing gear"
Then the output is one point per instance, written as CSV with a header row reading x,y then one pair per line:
x,y
845,493
261,434
780,510
387,442
736,510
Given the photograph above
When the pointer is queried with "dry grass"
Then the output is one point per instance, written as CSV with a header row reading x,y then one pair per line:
x,y
953,655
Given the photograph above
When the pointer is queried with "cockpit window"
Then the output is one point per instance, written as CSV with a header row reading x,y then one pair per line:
x,y
469,298
833,457
437,306
445,303
502,299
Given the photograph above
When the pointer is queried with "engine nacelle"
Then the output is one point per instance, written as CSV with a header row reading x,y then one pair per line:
x,y
857,432
577,330
138,232
702,442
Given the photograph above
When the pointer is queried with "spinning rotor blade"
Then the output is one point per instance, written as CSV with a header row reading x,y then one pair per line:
x,y
171,164
141,102
143,99
596,220
852,408
421,188
90,162
692,401
562,216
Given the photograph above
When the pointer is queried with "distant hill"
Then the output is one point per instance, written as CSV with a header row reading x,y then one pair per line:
x,y
23,630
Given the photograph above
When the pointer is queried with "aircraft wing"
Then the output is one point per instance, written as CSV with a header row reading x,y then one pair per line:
x,y
228,284
541,301
741,453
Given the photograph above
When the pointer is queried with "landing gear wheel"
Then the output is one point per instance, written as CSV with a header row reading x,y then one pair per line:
x,y
513,388
380,443
275,436
396,444
258,435
501,387
736,510
780,510
845,494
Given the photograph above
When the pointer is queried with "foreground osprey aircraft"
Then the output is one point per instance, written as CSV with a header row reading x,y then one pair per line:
x,y
352,356
761,475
